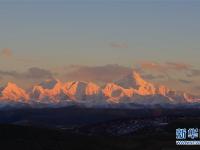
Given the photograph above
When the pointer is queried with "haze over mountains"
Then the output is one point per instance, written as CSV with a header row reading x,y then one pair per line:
x,y
132,89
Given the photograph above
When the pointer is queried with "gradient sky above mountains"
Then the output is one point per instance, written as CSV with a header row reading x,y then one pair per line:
x,y
80,39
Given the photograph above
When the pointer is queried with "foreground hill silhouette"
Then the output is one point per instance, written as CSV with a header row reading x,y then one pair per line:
x,y
39,136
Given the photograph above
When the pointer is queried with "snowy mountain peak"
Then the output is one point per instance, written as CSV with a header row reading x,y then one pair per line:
x,y
138,79
162,90
80,89
135,81
92,89
115,92
13,93
48,90
131,89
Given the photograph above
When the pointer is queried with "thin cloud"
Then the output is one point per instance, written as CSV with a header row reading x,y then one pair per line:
x,y
185,81
153,77
119,45
178,66
193,73
105,73
197,88
169,68
165,66
31,73
6,53
38,73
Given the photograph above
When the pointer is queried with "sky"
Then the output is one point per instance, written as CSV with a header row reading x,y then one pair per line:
x,y
69,38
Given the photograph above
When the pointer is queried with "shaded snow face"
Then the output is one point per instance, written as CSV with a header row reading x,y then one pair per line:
x,y
49,84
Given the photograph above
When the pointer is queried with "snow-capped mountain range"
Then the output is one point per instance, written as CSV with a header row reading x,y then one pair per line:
x,y
132,89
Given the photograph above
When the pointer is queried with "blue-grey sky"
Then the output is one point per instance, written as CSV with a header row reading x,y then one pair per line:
x,y
57,33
